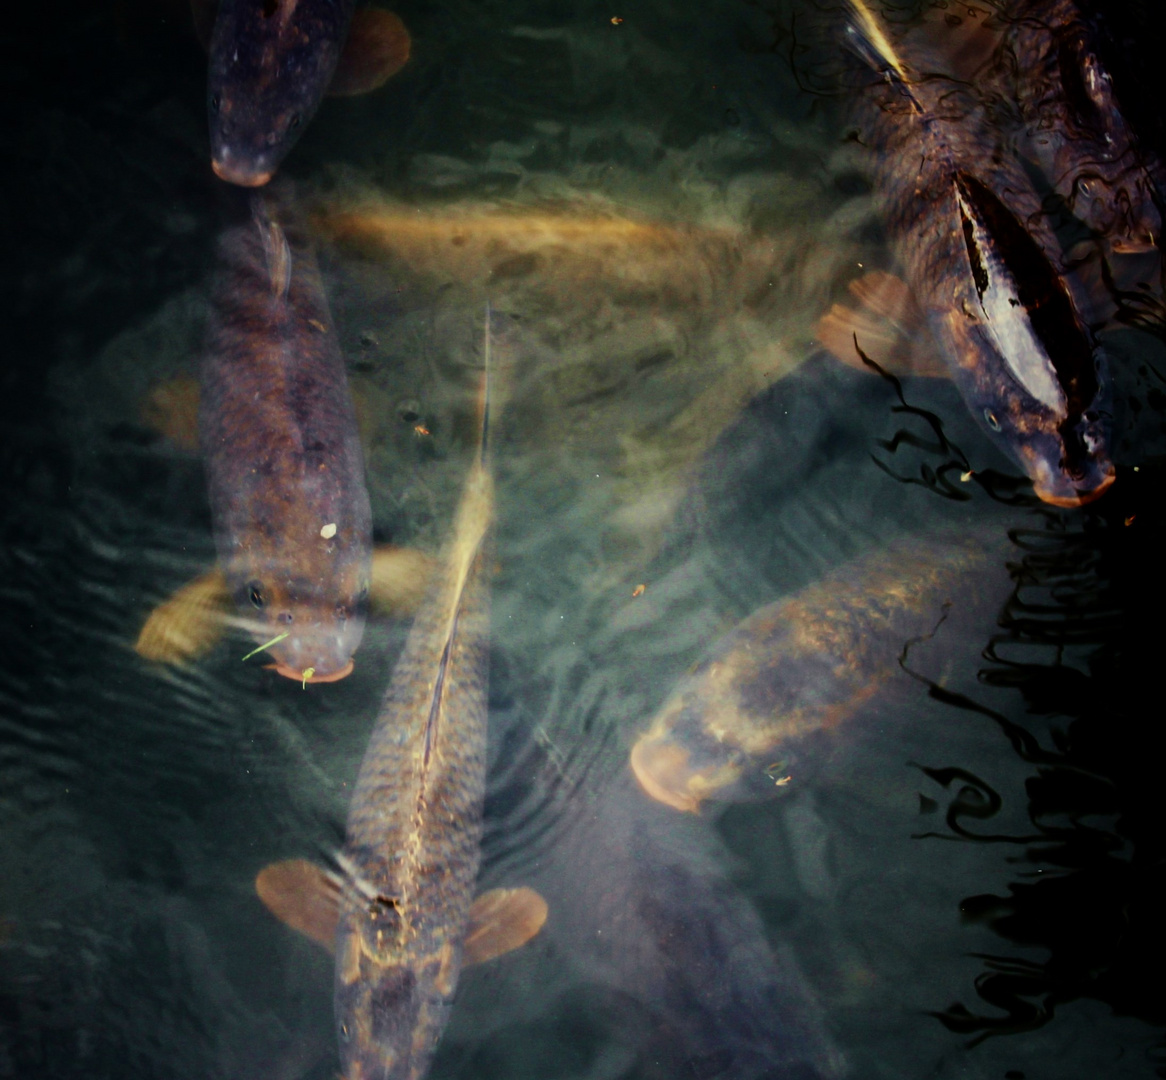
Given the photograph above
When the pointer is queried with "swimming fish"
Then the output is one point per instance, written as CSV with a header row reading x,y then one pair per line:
x,y
271,62
644,906
794,670
1076,133
411,853
283,462
966,223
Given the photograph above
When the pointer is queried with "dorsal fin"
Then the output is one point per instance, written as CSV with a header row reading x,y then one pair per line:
x,y
276,250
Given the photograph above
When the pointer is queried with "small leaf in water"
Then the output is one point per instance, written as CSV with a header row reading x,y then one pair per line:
x,y
267,645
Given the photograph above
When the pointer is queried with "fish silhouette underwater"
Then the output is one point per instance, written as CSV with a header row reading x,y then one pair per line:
x,y
768,695
284,468
987,297
271,64
402,913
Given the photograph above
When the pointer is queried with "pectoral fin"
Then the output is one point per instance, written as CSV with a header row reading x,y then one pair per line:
x,y
303,896
501,921
189,623
307,898
889,327
377,48
400,577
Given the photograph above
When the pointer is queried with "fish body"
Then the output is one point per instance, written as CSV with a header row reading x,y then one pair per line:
x,y
292,522
967,225
1076,132
794,670
271,62
644,906
414,824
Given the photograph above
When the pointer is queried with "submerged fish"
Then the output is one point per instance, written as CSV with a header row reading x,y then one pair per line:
x,y
283,462
1075,131
794,670
643,906
271,62
411,854
966,223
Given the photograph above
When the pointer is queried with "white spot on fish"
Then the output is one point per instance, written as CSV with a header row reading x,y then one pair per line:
x,y
329,530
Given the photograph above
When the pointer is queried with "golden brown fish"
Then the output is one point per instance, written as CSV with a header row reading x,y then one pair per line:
x,y
411,854
796,669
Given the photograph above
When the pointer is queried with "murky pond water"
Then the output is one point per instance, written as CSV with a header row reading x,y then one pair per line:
x,y
951,868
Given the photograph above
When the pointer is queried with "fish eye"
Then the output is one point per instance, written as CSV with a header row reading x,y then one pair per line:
x,y
216,102
990,418
255,594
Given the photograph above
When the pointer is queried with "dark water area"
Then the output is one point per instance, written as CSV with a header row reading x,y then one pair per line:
x,y
962,877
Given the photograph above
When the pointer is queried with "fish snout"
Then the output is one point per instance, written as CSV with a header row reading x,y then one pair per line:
x,y
1059,485
321,653
240,173
680,775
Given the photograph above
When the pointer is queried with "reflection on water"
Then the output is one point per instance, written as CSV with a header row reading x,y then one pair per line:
x,y
663,205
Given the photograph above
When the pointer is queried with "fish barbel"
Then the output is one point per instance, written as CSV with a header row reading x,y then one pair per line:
x,y
414,824
967,224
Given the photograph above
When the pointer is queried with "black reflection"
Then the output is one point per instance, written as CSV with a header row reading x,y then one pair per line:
x,y
1080,640
949,480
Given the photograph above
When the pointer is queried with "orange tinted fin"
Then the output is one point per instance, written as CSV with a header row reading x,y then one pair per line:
x,y
202,14
189,623
302,896
378,47
890,327
501,921
400,577
171,409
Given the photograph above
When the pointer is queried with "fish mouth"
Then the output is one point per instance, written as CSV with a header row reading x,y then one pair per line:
x,y
666,773
1079,498
289,672
241,177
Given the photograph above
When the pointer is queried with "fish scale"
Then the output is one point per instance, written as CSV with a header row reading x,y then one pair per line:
x,y
415,821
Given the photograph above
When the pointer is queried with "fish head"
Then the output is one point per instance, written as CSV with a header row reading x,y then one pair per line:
x,y
688,756
270,65
391,1006
311,610
1025,364
1063,450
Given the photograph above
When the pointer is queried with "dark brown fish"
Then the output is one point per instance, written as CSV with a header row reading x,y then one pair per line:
x,y
968,227
1076,132
272,61
283,461
796,669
